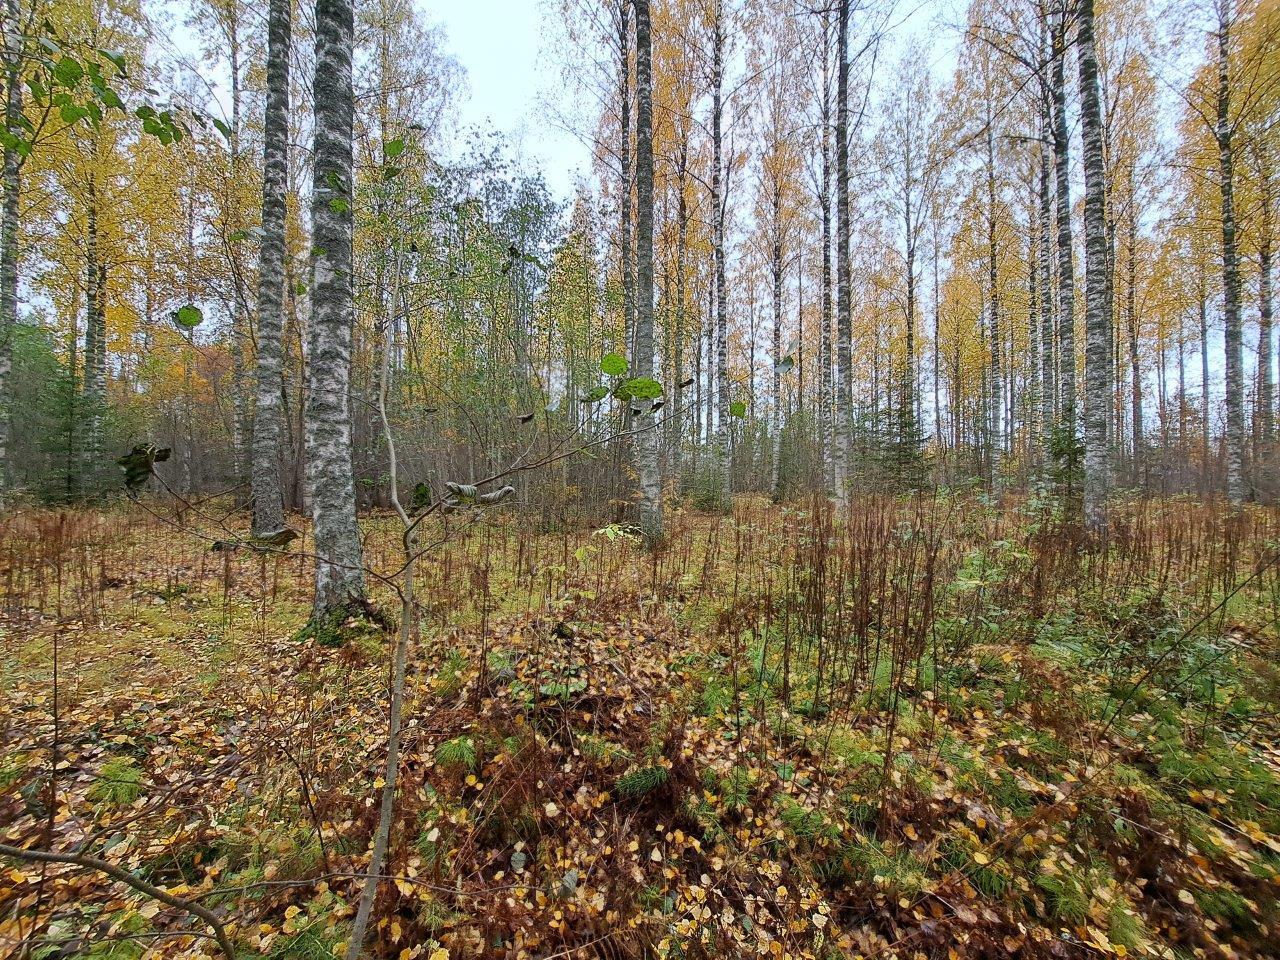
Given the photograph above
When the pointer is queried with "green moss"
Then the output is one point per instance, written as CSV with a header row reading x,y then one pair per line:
x,y
341,629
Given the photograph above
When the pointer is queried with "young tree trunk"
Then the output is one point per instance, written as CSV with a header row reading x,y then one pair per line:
x,y
647,439
1097,360
1233,367
268,502
844,307
339,562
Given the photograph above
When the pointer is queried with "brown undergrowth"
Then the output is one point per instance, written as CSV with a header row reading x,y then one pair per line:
x,y
942,730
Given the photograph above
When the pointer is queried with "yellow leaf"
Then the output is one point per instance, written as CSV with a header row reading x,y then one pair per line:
x,y
981,858
293,912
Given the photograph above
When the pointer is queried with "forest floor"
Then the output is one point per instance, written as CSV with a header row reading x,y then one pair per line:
x,y
942,729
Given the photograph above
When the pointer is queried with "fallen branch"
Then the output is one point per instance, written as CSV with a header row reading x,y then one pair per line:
x,y
125,877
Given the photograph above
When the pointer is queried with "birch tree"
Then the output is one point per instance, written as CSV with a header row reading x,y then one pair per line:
x,y
339,562
268,501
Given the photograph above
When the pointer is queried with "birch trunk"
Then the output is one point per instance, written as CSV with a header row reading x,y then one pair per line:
x,y
339,564
1097,360
1266,383
1233,367
268,501
646,445
95,332
1049,404
1066,267
723,440
624,179
776,339
824,341
844,331
11,175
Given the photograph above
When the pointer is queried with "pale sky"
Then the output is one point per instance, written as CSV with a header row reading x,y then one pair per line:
x,y
504,47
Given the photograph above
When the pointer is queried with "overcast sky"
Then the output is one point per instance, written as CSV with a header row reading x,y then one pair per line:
x,y
504,47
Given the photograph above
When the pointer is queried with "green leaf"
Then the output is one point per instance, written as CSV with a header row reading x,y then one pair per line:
x,y
188,317
300,287
68,72
738,409
239,235
223,128
643,388
595,394
613,364
109,97
338,205
72,114
393,149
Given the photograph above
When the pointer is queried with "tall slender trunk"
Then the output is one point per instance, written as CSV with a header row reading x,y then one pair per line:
x,y
682,260
646,446
624,180
1049,405
339,561
824,341
239,401
268,502
1233,367
11,186
1097,360
718,203
844,306
1066,267
937,344
996,390
1131,323
775,393
1266,382
95,335
1205,420
1035,394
